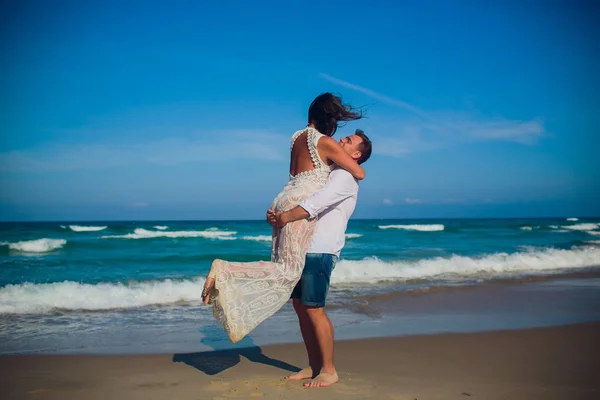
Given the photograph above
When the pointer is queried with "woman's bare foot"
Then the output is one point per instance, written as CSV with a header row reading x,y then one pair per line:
x,y
208,286
322,380
306,373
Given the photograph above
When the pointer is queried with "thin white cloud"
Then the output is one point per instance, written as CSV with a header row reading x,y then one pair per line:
x,y
477,127
409,200
398,139
388,202
375,95
452,201
427,130
211,147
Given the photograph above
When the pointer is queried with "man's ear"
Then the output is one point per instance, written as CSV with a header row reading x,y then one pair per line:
x,y
357,154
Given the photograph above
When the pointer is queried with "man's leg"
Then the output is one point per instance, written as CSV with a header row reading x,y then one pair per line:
x,y
316,276
310,341
306,328
323,330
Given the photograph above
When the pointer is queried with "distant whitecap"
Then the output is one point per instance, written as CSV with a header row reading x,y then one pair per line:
x,y
353,235
416,227
78,228
259,238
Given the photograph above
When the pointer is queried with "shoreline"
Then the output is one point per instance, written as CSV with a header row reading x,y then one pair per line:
x,y
540,363
524,305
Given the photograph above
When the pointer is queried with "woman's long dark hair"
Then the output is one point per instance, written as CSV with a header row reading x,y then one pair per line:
x,y
327,113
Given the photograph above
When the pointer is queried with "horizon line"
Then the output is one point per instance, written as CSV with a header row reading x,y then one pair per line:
x,y
262,220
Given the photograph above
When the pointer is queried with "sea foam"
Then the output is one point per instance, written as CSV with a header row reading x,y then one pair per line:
x,y
422,228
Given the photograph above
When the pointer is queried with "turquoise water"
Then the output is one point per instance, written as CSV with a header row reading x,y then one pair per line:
x,y
62,278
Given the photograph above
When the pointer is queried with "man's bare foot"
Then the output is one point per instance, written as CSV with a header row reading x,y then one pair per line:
x,y
322,380
208,286
306,373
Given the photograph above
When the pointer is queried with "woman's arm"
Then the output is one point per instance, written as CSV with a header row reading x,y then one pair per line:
x,y
334,152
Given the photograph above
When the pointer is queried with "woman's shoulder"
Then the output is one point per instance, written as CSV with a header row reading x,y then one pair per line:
x,y
326,141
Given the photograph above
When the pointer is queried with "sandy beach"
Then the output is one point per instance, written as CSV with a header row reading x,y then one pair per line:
x,y
543,363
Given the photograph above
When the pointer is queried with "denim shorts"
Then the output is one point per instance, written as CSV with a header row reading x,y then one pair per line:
x,y
313,286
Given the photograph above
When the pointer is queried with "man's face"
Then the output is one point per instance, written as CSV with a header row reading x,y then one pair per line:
x,y
351,144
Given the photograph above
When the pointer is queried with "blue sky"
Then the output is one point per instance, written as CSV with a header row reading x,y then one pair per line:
x,y
183,110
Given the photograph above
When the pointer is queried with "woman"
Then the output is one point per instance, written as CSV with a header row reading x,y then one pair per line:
x,y
244,294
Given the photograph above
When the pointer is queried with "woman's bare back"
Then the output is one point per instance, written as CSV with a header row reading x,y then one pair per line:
x,y
300,160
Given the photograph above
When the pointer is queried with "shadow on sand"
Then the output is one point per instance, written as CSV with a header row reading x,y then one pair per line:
x,y
216,361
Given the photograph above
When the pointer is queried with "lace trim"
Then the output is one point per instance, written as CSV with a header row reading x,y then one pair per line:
x,y
318,172
312,148
295,136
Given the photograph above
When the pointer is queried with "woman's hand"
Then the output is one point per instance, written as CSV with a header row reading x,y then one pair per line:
x,y
277,219
334,152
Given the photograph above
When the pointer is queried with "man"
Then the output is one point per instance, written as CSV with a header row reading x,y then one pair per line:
x,y
334,204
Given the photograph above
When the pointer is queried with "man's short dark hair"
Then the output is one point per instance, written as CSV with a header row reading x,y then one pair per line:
x,y
365,147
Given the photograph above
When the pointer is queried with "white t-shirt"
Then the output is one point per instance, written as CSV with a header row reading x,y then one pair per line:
x,y
334,204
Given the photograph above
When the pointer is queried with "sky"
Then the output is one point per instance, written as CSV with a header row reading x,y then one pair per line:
x,y
184,110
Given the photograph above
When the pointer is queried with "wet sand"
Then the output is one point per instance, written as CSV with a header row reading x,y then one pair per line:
x,y
543,363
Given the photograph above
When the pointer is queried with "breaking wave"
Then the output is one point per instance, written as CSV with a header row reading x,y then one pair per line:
x,y
29,298
36,246
582,227
372,270
141,233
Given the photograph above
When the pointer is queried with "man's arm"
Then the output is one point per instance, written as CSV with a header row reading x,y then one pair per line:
x,y
341,185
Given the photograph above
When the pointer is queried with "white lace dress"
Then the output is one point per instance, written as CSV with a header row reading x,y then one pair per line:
x,y
247,293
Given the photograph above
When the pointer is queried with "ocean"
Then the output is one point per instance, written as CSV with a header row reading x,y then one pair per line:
x,y
134,287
